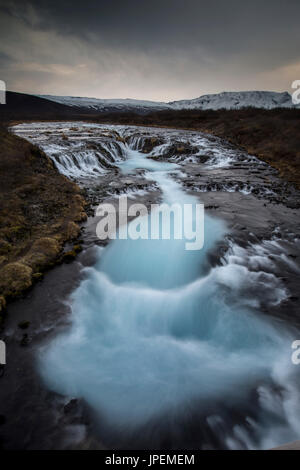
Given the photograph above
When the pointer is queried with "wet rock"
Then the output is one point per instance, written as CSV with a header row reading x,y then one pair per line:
x,y
128,181
204,159
24,324
70,255
180,149
120,139
255,190
149,143
25,340
71,406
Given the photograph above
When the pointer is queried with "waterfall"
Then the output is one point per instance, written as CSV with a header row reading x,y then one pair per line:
x,y
159,336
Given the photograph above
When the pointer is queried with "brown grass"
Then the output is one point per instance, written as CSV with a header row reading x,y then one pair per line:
x,y
39,211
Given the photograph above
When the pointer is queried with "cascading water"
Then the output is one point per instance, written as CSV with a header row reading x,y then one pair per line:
x,y
158,335
73,157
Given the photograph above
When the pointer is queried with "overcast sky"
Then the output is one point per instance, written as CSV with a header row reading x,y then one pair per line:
x,y
149,49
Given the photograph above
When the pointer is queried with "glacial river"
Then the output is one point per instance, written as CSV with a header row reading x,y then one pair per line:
x,y
162,342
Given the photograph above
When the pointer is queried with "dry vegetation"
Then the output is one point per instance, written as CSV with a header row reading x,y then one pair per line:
x,y
39,211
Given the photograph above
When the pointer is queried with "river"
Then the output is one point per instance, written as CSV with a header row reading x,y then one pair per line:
x,y
166,346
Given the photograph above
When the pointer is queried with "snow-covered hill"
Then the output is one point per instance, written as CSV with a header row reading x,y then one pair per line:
x,y
236,100
109,105
225,100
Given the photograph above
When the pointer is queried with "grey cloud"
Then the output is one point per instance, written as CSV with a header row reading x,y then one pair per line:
x,y
173,43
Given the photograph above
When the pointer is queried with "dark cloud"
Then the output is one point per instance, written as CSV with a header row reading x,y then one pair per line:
x,y
232,42
5,59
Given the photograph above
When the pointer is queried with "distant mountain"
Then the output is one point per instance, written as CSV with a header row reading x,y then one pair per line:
x,y
237,100
225,100
21,106
109,105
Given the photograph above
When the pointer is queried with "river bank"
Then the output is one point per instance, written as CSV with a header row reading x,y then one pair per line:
x,y
40,212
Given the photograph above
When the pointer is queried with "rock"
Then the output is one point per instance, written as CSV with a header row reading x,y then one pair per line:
x,y
25,340
71,406
181,148
120,139
24,324
149,143
70,255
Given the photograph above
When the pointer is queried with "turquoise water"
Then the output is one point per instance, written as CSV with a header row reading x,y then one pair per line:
x,y
155,327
